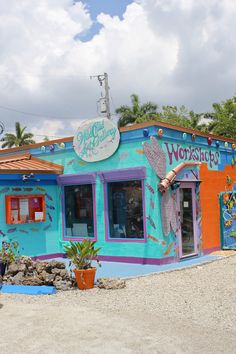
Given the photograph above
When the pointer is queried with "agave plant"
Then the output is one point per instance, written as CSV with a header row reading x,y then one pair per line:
x,y
82,253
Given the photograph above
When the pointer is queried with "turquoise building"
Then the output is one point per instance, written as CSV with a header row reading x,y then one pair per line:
x,y
144,203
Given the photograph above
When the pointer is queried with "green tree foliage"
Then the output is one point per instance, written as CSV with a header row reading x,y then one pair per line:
x,y
220,121
138,113
129,115
223,118
19,139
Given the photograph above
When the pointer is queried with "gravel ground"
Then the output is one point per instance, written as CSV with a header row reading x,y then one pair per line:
x,y
185,311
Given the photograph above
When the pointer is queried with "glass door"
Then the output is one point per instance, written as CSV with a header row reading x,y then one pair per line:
x,y
187,216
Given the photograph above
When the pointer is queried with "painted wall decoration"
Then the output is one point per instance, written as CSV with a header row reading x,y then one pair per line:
x,y
96,140
157,160
176,153
228,220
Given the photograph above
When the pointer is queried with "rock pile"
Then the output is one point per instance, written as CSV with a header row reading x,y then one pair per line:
x,y
25,271
110,284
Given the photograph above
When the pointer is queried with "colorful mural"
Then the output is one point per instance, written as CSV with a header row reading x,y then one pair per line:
x,y
228,220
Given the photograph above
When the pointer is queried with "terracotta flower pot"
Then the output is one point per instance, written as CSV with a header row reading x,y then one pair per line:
x,y
85,278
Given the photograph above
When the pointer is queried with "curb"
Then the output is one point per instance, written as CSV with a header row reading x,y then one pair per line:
x,y
178,269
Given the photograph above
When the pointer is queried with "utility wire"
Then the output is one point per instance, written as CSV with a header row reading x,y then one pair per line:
x,y
33,114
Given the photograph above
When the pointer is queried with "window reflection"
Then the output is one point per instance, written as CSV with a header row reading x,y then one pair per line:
x,y
125,209
79,210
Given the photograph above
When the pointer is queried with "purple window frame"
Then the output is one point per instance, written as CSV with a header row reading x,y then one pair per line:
x,y
77,179
126,174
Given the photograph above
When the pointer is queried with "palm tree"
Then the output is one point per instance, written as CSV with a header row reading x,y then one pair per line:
x,y
129,115
195,121
21,138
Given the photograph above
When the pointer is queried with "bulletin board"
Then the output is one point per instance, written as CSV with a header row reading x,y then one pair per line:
x,y
22,209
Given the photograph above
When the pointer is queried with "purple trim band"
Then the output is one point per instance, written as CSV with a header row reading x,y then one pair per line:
x,y
210,250
138,260
122,174
120,259
82,178
49,256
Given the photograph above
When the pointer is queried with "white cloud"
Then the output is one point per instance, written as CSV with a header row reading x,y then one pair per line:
x,y
168,51
48,128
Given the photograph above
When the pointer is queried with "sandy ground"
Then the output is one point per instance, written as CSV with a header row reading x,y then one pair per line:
x,y
184,311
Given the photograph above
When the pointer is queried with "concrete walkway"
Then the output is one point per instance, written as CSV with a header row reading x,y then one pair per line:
x,y
128,270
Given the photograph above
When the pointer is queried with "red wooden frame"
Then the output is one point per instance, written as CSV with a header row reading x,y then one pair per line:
x,y
33,203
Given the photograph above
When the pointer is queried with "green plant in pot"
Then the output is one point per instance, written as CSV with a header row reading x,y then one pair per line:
x,y
9,253
81,254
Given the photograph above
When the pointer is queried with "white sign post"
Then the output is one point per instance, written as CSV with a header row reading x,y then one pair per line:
x,y
96,139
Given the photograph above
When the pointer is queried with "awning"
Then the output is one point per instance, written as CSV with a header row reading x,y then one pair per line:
x,y
25,163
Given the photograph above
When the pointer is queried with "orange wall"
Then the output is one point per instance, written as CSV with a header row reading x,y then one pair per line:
x,y
213,182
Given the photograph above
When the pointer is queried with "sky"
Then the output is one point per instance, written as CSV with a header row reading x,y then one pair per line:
x,y
167,51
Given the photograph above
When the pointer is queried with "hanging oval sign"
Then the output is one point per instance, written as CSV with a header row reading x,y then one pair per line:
x,y
96,139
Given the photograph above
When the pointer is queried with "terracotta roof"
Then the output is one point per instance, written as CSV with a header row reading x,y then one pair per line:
x,y
25,163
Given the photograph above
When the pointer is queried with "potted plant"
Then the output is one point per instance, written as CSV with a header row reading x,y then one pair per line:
x,y
8,254
81,255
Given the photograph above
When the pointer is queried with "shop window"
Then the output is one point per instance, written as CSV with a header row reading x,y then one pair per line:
x,y
125,209
124,204
23,209
79,220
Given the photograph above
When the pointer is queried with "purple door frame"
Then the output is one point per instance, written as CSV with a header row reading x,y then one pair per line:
x,y
190,185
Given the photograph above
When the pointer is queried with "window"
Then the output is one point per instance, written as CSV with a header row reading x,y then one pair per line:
x,y
21,209
125,209
78,205
79,221
124,204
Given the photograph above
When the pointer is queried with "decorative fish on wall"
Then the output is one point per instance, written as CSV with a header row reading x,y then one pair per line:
x,y
122,156
69,163
40,189
150,188
140,151
16,189
154,239
10,231
168,250
34,229
47,227
4,190
24,231
151,203
2,233
82,163
50,207
151,222
27,189
48,196
50,216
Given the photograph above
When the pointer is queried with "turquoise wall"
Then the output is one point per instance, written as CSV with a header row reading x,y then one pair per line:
x,y
33,238
129,155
